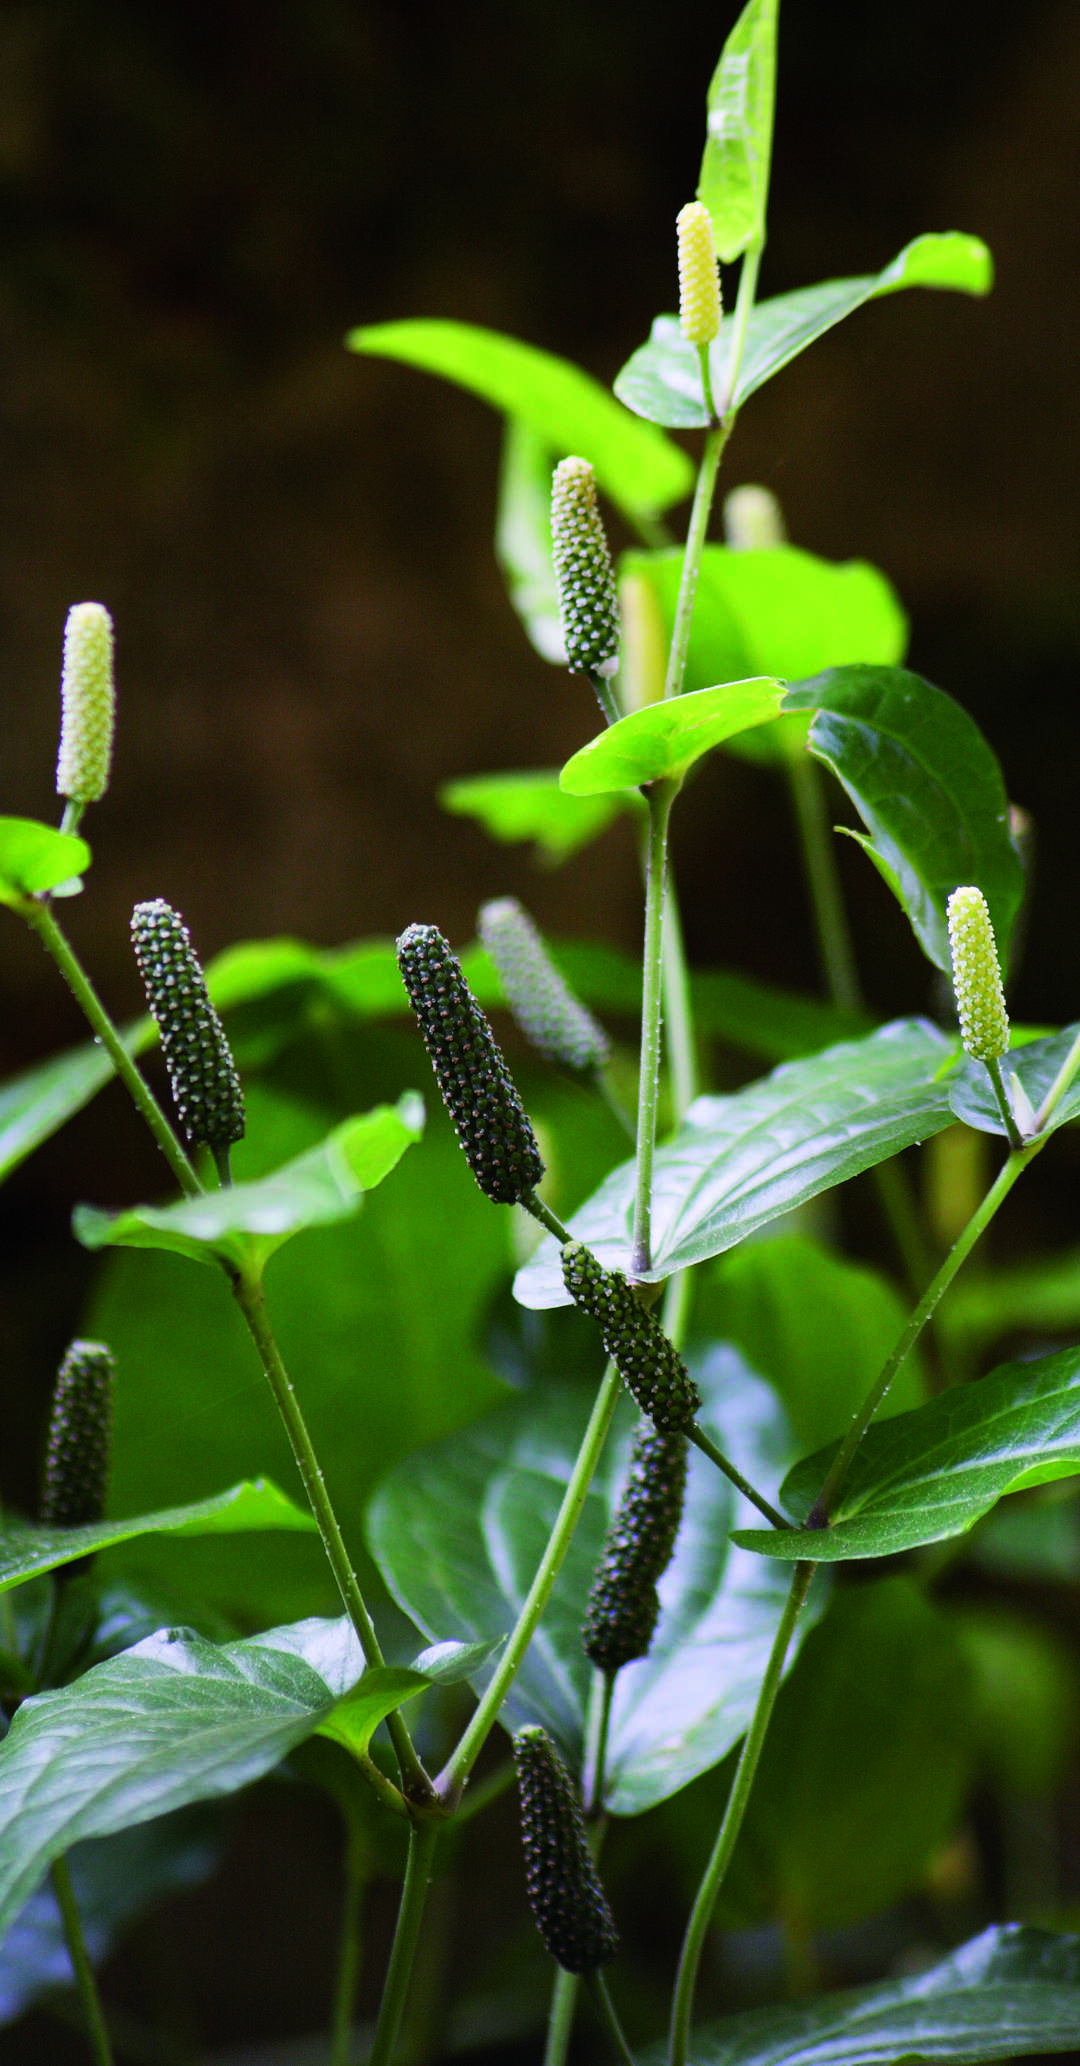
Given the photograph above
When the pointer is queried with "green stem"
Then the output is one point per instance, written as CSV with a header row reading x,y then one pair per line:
x,y
39,917
249,1297
348,1969
744,302
661,796
993,1070
605,2009
423,1838
1059,1085
564,1996
707,1446
711,456
711,409
546,1217
451,1780
604,690
682,2006
597,1727
823,881
84,1972
958,1253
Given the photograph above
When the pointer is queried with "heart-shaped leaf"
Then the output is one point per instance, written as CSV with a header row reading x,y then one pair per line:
x,y
667,738
738,1162
734,179
642,472
662,381
931,1474
242,1224
928,789
533,805
257,1503
35,858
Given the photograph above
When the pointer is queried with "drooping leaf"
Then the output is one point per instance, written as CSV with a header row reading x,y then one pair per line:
x,y
532,805
35,858
932,1473
740,1161
1010,1993
459,1528
927,787
662,381
734,178
643,474
255,1504
523,537
243,1224
1036,1063
666,739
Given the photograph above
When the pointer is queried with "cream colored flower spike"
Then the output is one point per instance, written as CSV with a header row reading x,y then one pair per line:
x,y
980,999
87,704
699,281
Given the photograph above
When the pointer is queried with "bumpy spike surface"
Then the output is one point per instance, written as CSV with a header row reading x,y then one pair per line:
x,y
541,1000
588,601
87,703
624,1605
699,281
648,1363
565,1893
980,999
80,1438
477,1089
205,1085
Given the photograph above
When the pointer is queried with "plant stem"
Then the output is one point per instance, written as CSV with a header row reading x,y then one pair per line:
x,y
84,1972
682,2006
823,881
597,1725
249,1297
993,1070
546,1217
39,917
348,1970
744,302
707,1446
564,1996
604,691
711,410
451,1780
605,2009
1059,1085
423,1838
661,796
713,452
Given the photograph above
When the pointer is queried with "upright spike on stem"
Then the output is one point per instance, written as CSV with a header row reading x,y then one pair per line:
x,y
623,1603
205,1084
584,574
539,997
87,707
80,1438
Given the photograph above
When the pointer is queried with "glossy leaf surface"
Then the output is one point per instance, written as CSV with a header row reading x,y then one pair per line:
x,y
931,1474
643,473
734,178
26,1552
662,381
740,1161
1036,1064
928,789
667,738
35,857
532,805
523,537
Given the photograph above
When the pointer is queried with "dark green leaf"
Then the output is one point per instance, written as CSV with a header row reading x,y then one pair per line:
x,y
27,1552
523,537
1009,1993
734,179
643,473
35,857
458,1530
243,1224
667,738
662,381
931,1474
740,1161
532,805
928,789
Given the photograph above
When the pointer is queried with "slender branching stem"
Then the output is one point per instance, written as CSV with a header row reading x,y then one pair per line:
x,y
597,1729
1001,1095
715,440
661,796
84,1973
744,302
451,1780
835,950
682,2006
711,410
605,2009
546,1217
604,690
348,1964
1059,1085
38,914
560,2022
707,1446
423,1838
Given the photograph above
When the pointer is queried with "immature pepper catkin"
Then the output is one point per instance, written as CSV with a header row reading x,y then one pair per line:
x,y
477,1089
540,999
205,1084
649,1364
980,998
624,1605
565,1894
80,1438
699,280
584,574
87,703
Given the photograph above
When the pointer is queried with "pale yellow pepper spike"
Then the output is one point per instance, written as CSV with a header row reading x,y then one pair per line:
x,y
980,997
699,281
87,703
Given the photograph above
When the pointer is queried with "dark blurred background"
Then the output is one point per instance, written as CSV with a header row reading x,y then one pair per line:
x,y
197,202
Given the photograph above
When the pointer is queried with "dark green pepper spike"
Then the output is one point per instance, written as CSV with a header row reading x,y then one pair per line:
x,y
80,1438
624,1604
540,999
565,1894
489,1118
649,1364
205,1085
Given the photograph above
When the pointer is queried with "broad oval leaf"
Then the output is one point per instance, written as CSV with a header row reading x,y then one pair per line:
x,y
665,739
458,1529
531,804
176,1719
662,381
256,1503
1009,1993
932,1473
242,1224
734,178
643,472
928,789
36,857
740,1161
